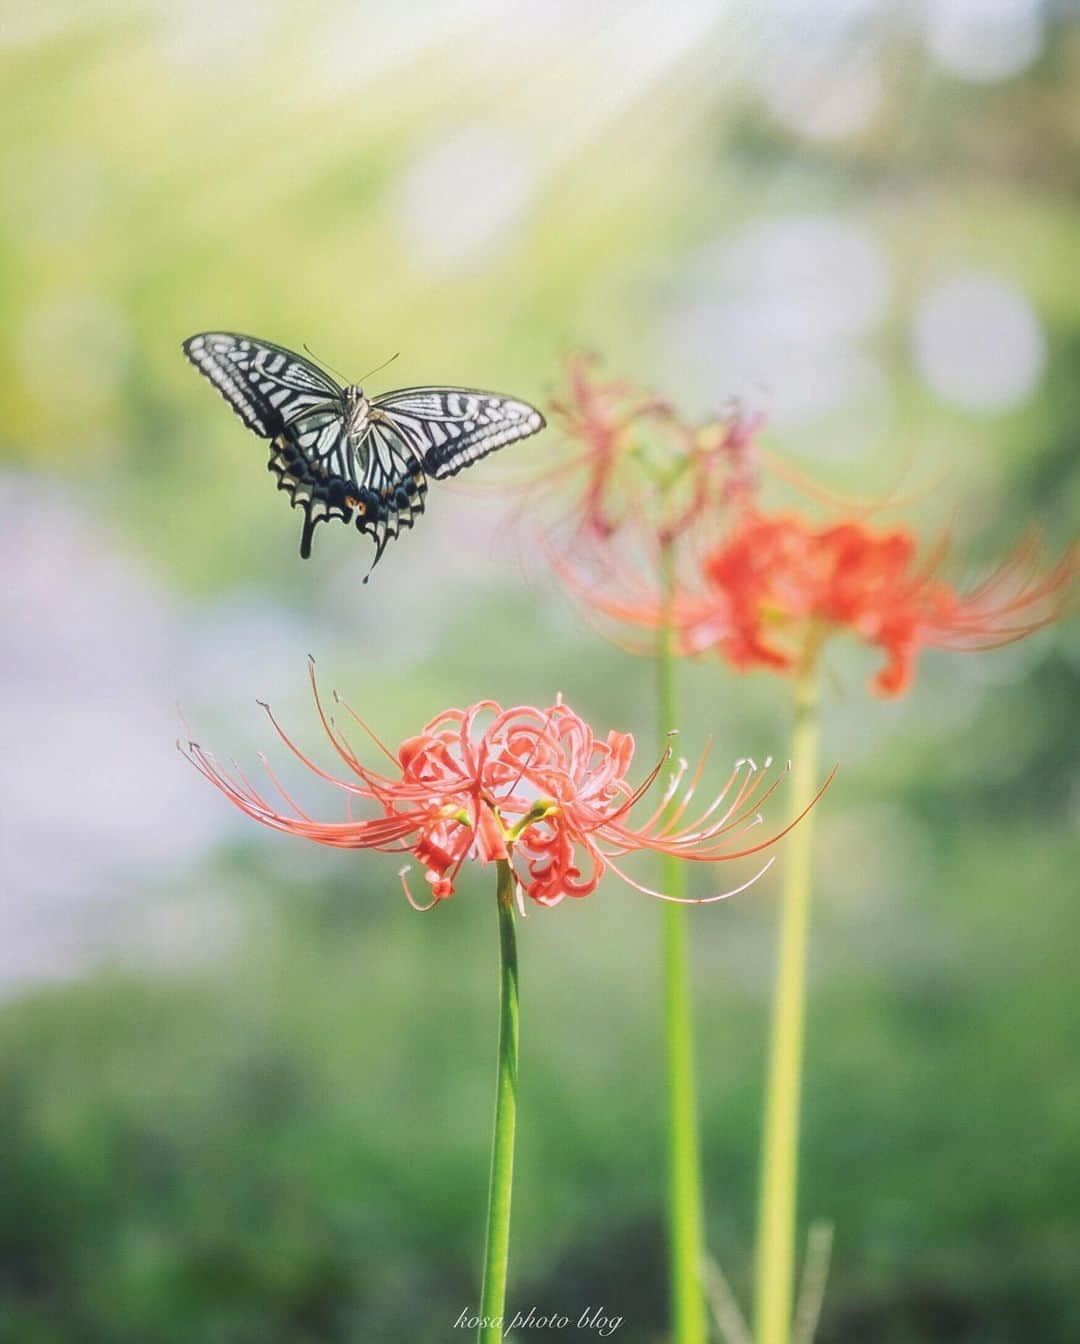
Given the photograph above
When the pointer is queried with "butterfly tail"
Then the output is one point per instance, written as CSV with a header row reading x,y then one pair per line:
x,y
319,496
307,534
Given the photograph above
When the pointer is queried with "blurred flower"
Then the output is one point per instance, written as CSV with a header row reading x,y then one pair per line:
x,y
599,419
771,592
633,461
534,787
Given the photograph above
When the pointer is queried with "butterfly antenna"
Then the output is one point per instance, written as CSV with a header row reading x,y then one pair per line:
x,y
382,366
324,363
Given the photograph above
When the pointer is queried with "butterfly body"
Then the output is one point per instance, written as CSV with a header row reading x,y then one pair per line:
x,y
340,454
357,411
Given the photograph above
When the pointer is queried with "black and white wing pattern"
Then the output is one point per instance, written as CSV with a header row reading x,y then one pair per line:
x,y
290,401
450,428
267,386
337,455
312,462
393,486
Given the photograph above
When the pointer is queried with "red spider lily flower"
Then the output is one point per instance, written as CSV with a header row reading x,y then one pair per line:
x,y
534,787
778,586
601,419
635,461
719,469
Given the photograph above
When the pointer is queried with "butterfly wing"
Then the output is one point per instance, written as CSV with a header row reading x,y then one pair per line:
x,y
290,401
382,480
393,484
267,386
309,458
450,428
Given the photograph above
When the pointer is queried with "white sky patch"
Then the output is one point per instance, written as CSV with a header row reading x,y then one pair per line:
x,y
779,314
632,52
465,194
816,63
829,104
984,40
355,44
91,799
470,189
98,812
798,17
816,275
978,342
212,37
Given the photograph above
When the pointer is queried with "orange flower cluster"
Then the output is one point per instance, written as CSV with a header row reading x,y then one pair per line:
x,y
776,587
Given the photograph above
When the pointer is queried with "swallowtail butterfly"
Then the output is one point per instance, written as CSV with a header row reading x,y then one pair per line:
x,y
339,454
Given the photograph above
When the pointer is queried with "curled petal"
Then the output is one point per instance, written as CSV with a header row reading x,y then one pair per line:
x,y
536,787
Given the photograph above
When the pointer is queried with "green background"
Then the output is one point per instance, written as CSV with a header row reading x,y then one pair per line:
x,y
250,1101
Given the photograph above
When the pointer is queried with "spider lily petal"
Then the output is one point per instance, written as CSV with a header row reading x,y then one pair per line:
x,y
535,787
778,584
629,459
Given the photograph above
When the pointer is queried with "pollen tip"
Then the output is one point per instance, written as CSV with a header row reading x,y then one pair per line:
x,y
263,705
311,660
768,763
336,695
402,872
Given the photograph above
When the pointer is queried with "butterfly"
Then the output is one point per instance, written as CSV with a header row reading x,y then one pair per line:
x,y
339,454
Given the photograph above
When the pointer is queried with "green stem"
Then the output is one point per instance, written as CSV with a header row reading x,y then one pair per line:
x,y
497,1250
686,1252
775,1266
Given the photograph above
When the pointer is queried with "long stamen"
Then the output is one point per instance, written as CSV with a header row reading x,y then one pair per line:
x,y
688,900
306,760
403,877
376,782
754,799
340,700
635,797
289,800
706,855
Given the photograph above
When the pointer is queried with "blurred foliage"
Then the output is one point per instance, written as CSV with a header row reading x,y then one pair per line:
x,y
290,1144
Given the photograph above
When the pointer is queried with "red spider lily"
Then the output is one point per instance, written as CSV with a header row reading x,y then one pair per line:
x,y
531,786
778,586
602,420
634,460
719,468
